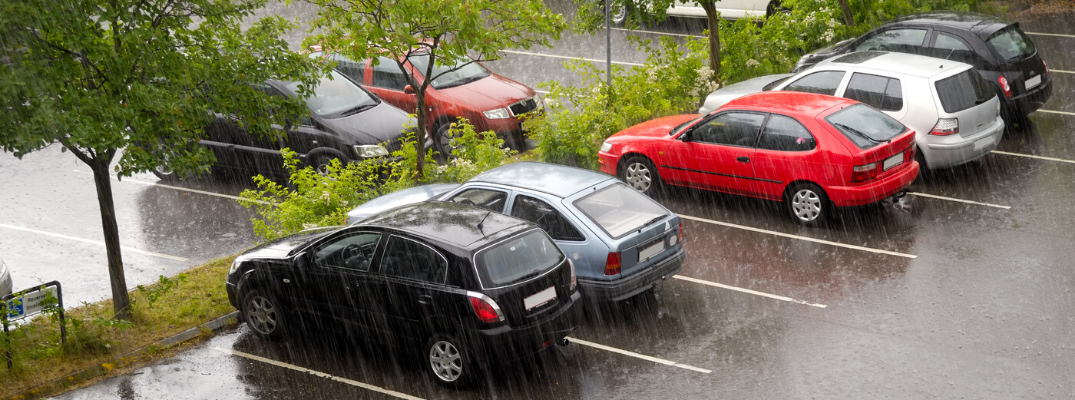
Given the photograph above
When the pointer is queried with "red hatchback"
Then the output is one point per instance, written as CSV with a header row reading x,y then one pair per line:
x,y
808,150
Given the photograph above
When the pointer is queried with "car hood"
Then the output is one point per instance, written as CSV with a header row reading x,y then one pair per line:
x,y
280,248
382,123
734,91
396,199
655,128
493,91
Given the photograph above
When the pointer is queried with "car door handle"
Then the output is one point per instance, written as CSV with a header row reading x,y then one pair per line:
x,y
425,299
743,159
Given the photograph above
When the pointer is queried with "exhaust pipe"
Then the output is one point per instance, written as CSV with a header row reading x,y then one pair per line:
x,y
562,342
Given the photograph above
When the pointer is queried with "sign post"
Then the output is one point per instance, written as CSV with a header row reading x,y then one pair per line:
x,y
29,302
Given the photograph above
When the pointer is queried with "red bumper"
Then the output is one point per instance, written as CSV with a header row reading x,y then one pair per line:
x,y
847,196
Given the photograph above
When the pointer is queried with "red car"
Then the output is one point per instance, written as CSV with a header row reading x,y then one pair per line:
x,y
808,150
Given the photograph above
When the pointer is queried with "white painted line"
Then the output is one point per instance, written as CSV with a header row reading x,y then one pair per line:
x,y
1036,157
808,239
96,242
1062,71
1057,112
754,292
541,91
636,355
959,200
657,33
181,189
318,373
569,58
1049,34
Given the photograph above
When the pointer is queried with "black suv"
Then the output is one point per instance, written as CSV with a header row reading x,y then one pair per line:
x,y
467,285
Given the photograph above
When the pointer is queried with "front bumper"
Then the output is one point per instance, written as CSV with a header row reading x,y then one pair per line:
x,y
849,196
505,343
637,283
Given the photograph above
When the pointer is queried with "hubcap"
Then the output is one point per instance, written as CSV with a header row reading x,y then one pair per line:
x,y
444,140
619,13
638,177
446,361
261,315
806,204
163,170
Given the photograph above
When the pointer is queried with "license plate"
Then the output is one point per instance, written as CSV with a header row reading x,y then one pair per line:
x,y
893,161
980,143
651,250
1033,81
540,298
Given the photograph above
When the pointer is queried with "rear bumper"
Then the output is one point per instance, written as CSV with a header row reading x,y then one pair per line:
x,y
505,343
639,282
1029,102
944,155
848,196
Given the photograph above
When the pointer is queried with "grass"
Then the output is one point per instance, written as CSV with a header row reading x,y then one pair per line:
x,y
94,340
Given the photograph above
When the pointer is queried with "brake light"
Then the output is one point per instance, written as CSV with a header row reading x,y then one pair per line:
x,y
574,278
1046,72
680,235
1004,85
864,173
909,155
485,308
612,264
945,127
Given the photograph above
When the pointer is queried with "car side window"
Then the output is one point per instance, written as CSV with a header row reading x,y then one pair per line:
x,y
783,133
823,82
731,128
901,40
351,69
546,217
951,47
492,200
386,75
352,252
880,92
409,259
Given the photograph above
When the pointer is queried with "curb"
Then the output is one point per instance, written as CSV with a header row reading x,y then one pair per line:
x,y
127,359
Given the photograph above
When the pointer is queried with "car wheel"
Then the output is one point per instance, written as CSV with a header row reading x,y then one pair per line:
x,y
449,363
165,174
807,203
618,11
442,140
640,174
263,314
321,162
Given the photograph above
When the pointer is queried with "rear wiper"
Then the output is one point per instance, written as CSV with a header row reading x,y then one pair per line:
x,y
655,219
859,133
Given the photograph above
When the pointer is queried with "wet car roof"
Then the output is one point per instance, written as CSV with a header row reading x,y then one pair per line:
x,y
908,64
806,104
979,23
558,180
452,224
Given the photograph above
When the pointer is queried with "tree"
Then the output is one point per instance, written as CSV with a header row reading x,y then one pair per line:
x,y
133,83
445,31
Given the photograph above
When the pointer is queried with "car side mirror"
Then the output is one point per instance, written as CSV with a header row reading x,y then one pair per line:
x,y
408,89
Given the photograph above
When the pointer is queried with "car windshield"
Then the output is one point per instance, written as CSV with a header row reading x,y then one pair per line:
x,y
679,128
1012,44
963,90
865,126
619,209
518,258
443,76
336,95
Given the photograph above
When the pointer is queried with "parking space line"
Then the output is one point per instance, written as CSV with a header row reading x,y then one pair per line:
x,y
808,239
932,196
1049,34
1031,156
658,33
1062,71
748,291
636,355
181,189
1057,112
526,53
96,242
317,373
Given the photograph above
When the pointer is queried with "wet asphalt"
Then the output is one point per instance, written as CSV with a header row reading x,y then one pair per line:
x,y
927,298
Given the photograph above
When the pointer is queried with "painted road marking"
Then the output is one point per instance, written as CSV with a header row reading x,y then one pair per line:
x,y
1049,34
753,292
636,355
959,200
96,242
317,373
181,189
570,58
1037,157
658,33
1057,112
1062,71
808,239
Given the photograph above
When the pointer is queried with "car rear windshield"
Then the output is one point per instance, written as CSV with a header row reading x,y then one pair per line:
x,y
963,90
619,209
865,126
446,76
1011,44
517,259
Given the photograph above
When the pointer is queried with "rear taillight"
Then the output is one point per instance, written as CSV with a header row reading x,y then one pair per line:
x,y
679,236
909,155
1046,72
1004,85
612,264
945,127
864,173
485,308
574,278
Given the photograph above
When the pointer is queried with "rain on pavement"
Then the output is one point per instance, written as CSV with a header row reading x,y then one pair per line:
x,y
945,294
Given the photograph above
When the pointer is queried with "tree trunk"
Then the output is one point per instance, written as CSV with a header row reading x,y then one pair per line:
x,y
420,141
849,20
121,304
713,24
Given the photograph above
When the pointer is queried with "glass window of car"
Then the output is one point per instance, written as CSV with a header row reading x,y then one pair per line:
x,y
951,47
963,90
730,128
618,209
546,217
883,93
409,259
823,82
784,133
386,75
517,258
903,40
865,126
1011,44
352,251
466,71
335,94
492,200
354,70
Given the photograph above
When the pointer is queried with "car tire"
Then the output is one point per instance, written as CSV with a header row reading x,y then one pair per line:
x,y
166,174
807,203
448,362
640,174
263,314
320,163
618,11
442,140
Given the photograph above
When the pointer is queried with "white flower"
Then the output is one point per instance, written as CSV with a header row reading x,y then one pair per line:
x,y
828,35
752,63
325,195
308,226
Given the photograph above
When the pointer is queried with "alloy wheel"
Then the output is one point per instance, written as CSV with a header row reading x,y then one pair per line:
x,y
446,361
261,315
639,177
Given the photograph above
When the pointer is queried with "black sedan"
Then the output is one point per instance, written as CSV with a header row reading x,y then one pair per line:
x,y
463,284
346,122
998,49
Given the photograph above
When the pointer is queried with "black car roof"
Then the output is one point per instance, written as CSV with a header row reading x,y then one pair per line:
x,y
452,225
981,24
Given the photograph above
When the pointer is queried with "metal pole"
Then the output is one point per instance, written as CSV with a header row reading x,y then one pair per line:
x,y
608,46
7,336
63,324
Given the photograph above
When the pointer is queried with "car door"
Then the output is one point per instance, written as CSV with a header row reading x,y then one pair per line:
x,y
564,230
304,136
409,288
786,152
716,153
387,82
339,272
899,39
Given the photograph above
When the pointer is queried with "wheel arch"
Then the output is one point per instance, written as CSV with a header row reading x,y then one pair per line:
x,y
326,151
620,164
787,188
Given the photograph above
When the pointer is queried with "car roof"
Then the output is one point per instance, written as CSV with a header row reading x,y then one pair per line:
x,y
981,24
451,225
903,63
558,180
800,103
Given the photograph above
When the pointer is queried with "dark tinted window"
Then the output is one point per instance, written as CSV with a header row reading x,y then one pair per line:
x,y
492,200
619,210
950,47
880,92
865,126
963,90
517,259
352,252
412,260
785,134
902,40
824,82
732,128
542,214
1011,44
386,75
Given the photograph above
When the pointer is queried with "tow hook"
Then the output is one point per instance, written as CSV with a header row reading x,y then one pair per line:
x,y
899,195
562,342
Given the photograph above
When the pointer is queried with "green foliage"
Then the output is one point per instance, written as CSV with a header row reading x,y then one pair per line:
x,y
164,286
473,153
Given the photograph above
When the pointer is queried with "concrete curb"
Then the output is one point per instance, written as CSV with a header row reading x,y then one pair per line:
x,y
127,359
